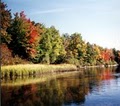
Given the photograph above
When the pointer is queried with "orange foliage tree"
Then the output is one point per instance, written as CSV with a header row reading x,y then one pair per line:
x,y
106,55
25,36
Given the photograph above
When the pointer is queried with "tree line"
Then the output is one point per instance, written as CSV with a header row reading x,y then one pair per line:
x,y
25,41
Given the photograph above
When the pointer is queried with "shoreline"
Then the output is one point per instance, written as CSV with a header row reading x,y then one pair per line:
x,y
39,69
26,80
95,66
34,69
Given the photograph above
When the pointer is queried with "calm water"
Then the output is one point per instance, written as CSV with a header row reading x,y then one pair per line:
x,y
93,87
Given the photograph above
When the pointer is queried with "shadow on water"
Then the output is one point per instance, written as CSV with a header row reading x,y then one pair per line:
x,y
117,72
65,90
118,69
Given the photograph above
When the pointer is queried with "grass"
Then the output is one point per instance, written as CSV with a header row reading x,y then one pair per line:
x,y
34,69
26,80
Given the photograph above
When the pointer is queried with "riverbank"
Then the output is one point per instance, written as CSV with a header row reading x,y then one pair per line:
x,y
95,66
26,80
11,71
34,69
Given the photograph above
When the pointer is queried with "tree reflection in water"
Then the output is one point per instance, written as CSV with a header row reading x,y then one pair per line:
x,y
118,69
58,91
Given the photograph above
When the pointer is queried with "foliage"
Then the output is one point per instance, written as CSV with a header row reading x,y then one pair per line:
x,y
6,55
7,58
107,55
51,48
5,23
116,54
75,48
25,36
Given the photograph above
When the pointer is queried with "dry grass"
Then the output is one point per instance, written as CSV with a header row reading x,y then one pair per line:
x,y
30,80
37,69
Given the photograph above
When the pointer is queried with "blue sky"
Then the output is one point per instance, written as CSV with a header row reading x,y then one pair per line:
x,y
98,21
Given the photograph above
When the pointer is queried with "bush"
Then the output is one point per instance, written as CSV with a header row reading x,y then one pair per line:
x,y
6,55
7,58
72,61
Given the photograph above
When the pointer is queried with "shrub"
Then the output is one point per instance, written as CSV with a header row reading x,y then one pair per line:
x,y
6,55
7,58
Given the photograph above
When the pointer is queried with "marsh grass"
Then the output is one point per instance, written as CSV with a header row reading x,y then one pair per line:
x,y
33,69
26,80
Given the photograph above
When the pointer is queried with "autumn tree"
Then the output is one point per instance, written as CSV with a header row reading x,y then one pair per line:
x,y
5,23
106,55
75,48
116,56
98,57
66,40
25,36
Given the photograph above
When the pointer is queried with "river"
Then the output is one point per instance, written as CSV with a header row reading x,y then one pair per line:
x,y
87,87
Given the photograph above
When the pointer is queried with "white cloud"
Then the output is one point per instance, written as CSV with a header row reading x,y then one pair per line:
x,y
57,10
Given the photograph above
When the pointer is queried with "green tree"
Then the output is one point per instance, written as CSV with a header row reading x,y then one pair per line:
x,y
51,49
116,56
91,54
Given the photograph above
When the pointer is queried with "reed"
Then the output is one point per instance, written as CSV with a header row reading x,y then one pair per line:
x,y
26,80
34,69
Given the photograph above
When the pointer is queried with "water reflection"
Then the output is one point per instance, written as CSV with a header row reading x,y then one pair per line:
x,y
92,86
118,69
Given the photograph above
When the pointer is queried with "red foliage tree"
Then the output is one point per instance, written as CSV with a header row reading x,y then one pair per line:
x,y
25,34
106,55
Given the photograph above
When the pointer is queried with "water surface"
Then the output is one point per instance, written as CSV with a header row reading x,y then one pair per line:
x,y
90,87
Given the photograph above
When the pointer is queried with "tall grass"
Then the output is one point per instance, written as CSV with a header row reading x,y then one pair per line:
x,y
26,80
33,69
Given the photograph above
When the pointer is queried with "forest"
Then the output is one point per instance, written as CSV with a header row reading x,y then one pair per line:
x,y
24,41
